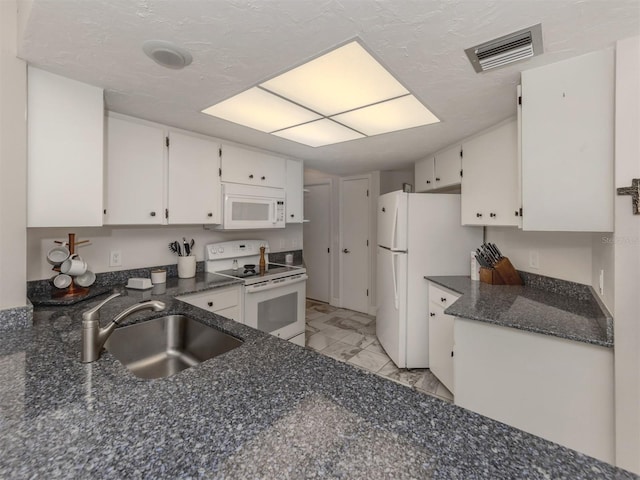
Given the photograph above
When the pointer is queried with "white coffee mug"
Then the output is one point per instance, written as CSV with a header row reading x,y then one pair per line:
x,y
57,255
86,279
74,265
62,281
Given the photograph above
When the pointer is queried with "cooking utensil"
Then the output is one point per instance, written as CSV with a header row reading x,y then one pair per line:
x,y
186,246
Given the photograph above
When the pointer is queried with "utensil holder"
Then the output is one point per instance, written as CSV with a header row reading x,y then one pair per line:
x,y
187,267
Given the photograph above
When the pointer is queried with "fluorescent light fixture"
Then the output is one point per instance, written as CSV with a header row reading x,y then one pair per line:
x,y
261,110
347,85
343,79
318,133
390,116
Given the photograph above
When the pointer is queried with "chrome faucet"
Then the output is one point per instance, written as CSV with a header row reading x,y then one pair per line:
x,y
94,337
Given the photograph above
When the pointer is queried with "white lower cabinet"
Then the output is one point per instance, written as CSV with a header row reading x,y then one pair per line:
x,y
441,343
558,389
224,301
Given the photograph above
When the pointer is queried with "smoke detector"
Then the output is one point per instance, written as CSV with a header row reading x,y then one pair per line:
x,y
167,54
516,46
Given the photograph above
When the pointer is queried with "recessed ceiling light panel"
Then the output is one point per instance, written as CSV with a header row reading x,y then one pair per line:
x,y
319,133
390,116
343,79
347,85
261,110
167,54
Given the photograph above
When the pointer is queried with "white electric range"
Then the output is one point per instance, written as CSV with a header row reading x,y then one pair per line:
x,y
274,299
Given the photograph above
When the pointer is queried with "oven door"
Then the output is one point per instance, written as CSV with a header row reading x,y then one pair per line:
x,y
277,306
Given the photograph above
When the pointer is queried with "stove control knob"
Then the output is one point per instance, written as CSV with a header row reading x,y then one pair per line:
x,y
220,249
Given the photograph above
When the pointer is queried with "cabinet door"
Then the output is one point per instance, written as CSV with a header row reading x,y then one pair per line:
x,y
252,168
134,171
567,144
194,183
490,180
441,345
447,167
294,195
424,174
65,152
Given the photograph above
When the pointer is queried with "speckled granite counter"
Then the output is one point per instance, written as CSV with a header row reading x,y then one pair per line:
x,y
268,409
568,311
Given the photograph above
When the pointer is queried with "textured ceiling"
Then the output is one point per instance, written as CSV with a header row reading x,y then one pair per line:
x,y
236,44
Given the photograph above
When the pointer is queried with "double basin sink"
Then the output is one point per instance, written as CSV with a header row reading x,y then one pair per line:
x,y
164,346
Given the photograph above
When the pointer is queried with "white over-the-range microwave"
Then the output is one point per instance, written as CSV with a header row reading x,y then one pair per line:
x,y
246,206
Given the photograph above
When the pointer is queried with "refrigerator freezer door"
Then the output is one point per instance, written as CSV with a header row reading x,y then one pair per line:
x,y
392,221
391,324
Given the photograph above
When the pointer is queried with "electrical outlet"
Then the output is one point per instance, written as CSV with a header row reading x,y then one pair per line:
x,y
601,282
294,242
534,259
115,258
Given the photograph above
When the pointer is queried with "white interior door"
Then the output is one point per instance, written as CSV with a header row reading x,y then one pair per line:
x,y
354,249
317,240
627,258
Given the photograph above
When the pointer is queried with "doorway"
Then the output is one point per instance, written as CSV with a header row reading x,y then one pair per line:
x,y
317,240
354,243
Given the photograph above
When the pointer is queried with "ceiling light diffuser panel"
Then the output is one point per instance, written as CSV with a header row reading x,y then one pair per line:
x,y
261,110
342,95
343,79
390,116
319,133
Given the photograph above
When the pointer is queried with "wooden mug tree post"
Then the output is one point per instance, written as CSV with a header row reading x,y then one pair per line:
x,y
72,290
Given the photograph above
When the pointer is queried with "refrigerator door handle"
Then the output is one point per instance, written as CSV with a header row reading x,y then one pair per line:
x,y
394,227
395,282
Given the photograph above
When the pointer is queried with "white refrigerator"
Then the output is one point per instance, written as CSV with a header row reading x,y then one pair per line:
x,y
418,234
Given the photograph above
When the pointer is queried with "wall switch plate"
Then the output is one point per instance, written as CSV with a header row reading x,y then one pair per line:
x,y
534,259
115,258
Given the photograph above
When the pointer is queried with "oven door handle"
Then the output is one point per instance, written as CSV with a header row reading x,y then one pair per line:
x,y
255,289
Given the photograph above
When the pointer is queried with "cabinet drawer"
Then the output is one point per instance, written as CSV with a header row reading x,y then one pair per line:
x,y
441,297
214,300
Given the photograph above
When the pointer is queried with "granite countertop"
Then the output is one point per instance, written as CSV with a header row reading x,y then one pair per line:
x,y
267,409
542,305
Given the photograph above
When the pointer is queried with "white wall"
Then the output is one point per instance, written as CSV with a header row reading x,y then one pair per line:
x,y
142,246
564,255
13,162
392,180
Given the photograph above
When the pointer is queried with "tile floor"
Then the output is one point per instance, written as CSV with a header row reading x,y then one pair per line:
x,y
350,337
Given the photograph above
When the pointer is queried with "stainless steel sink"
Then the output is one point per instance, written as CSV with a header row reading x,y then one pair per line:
x,y
163,346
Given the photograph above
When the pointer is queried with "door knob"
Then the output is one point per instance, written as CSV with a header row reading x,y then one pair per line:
x,y
346,250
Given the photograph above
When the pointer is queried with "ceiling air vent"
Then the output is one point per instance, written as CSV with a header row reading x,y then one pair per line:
x,y
502,51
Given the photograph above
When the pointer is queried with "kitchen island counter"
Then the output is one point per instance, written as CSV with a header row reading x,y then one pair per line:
x,y
268,409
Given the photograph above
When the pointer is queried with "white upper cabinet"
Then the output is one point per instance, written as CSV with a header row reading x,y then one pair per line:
x,y
294,195
567,144
490,193
438,171
135,171
249,167
424,175
194,195
65,152
447,167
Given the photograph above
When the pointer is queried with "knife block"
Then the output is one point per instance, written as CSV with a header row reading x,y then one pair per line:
x,y
502,273
490,276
